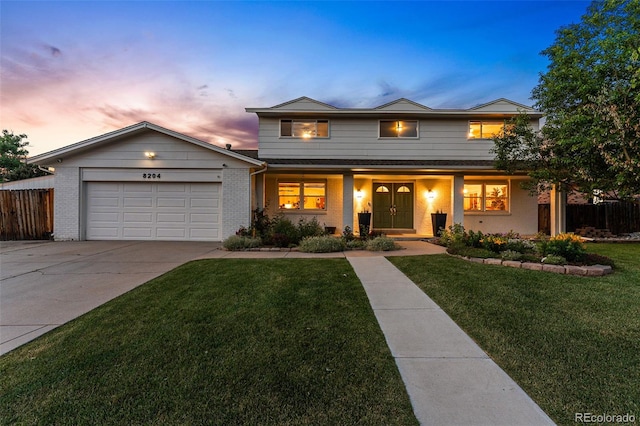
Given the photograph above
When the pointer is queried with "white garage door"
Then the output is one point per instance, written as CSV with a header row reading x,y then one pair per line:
x,y
153,211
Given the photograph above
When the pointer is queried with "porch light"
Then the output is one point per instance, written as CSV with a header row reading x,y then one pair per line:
x,y
150,155
399,126
359,194
431,195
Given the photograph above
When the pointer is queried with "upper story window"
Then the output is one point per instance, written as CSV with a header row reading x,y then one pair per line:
x,y
398,128
307,195
305,129
486,196
484,129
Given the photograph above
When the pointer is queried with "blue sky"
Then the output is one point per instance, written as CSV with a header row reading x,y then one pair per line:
x,y
73,70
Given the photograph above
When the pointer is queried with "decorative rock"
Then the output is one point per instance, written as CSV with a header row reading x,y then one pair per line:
x,y
558,269
532,266
512,263
476,259
493,261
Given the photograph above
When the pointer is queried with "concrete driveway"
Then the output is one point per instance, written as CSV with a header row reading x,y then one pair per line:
x,y
45,284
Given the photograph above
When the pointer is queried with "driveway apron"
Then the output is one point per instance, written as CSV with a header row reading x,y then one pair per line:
x,y
45,284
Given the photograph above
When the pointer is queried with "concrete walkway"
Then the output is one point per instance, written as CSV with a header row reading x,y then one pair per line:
x,y
450,380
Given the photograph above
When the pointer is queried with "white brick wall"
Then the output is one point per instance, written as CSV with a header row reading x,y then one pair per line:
x,y
66,215
236,200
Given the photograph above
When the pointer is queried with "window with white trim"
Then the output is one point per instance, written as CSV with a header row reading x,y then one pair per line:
x,y
398,128
485,129
307,195
305,129
490,196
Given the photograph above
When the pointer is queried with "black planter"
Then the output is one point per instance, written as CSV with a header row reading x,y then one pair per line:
x,y
438,223
364,223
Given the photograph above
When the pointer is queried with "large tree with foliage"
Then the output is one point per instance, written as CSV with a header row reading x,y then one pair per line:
x,y
590,95
13,155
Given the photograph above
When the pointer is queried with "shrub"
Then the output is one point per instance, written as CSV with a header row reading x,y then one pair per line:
x,y
355,244
321,244
309,228
569,246
494,243
553,259
382,244
347,234
474,239
453,235
241,242
511,255
521,246
284,232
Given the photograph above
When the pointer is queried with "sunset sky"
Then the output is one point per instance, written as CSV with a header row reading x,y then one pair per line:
x,y
72,70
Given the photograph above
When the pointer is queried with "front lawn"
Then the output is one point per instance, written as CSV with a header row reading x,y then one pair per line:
x,y
572,343
286,341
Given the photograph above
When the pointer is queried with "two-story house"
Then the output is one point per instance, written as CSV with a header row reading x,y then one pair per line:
x,y
400,161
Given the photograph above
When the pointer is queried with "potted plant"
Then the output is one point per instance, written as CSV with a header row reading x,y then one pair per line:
x,y
438,222
364,221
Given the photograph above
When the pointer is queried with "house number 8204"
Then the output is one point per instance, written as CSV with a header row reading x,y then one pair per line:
x,y
151,176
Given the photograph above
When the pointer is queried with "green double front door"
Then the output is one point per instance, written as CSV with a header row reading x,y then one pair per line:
x,y
392,205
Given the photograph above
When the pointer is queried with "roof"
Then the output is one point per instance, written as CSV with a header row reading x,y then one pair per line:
x,y
305,106
132,130
370,164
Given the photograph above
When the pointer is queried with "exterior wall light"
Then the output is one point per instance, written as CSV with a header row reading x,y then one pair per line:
x,y
150,155
431,195
359,194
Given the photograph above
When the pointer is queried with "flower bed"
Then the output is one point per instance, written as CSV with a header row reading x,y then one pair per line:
x,y
564,253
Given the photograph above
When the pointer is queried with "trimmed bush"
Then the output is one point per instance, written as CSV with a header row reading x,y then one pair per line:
x,y
511,255
322,244
241,242
355,244
382,244
284,232
309,228
553,259
569,246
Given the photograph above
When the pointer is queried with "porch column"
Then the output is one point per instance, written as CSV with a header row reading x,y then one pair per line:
x,y
347,201
457,199
558,207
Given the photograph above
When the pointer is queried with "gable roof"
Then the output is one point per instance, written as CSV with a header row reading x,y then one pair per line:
x,y
304,103
501,105
132,130
307,107
403,104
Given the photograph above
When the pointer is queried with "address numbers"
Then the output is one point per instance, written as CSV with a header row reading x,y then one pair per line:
x,y
151,176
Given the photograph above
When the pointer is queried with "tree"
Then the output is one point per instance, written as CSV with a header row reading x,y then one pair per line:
x,y
590,95
13,155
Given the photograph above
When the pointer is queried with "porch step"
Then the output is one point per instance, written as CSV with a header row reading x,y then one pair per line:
x,y
394,231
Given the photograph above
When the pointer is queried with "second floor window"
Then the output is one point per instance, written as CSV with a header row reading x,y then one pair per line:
x,y
484,129
304,129
398,128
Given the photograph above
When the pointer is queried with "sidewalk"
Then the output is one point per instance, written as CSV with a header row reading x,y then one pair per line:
x,y
450,380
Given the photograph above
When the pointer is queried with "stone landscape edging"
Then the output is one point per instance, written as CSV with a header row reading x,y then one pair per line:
x,y
584,271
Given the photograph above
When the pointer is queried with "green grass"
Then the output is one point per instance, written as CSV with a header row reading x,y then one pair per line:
x,y
572,343
215,342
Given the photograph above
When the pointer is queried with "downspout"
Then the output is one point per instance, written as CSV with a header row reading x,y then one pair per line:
x,y
266,166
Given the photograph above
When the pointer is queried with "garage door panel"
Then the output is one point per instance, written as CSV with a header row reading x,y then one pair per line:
x,y
138,218
153,210
177,218
171,202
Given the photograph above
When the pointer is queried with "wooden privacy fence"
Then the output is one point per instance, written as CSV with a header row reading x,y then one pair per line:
x,y
619,218
26,214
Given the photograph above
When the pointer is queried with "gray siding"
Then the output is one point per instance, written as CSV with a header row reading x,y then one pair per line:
x,y
439,139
